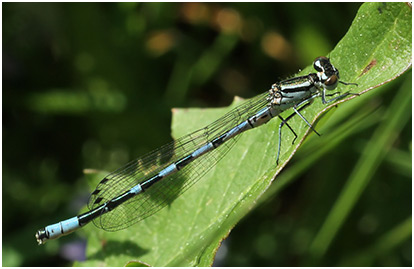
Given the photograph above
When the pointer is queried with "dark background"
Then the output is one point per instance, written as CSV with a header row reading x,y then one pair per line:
x,y
91,85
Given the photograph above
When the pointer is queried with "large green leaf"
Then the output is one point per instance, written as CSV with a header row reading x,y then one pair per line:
x,y
376,50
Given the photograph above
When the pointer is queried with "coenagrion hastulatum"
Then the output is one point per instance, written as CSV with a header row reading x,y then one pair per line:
x,y
144,186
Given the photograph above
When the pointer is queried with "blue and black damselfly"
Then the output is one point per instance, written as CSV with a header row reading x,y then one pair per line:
x,y
144,186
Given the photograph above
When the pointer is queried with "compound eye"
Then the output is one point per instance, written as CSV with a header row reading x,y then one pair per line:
x,y
331,81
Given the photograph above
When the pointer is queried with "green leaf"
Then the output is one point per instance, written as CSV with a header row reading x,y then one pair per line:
x,y
397,115
376,50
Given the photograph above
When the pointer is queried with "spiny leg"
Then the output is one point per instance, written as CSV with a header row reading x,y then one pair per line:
x,y
285,121
305,120
280,138
324,101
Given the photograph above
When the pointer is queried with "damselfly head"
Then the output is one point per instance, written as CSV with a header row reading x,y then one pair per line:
x,y
327,73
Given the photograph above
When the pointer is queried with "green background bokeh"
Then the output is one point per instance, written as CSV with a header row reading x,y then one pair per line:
x,y
90,85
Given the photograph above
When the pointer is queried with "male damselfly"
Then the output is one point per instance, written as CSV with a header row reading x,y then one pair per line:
x,y
147,184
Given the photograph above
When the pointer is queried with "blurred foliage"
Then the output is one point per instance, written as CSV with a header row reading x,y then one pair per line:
x,y
91,85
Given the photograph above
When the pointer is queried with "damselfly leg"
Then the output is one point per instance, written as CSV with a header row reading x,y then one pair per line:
x,y
285,121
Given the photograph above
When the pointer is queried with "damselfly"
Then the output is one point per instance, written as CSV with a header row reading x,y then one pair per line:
x,y
144,186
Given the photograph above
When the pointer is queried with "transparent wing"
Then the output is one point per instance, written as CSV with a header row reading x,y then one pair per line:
x,y
165,191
